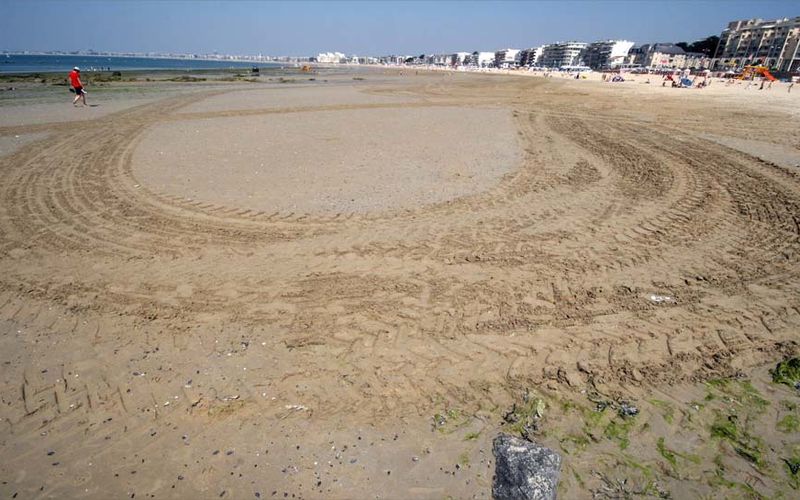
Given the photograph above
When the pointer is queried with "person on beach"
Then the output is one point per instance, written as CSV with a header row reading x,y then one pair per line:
x,y
77,86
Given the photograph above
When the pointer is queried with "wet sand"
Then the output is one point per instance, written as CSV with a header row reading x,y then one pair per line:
x,y
330,161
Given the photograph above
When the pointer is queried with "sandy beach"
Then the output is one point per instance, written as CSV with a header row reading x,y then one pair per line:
x,y
345,285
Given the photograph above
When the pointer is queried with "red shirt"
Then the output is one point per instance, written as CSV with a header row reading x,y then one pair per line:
x,y
75,78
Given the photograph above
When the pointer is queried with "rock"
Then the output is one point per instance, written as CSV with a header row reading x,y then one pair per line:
x,y
626,410
524,470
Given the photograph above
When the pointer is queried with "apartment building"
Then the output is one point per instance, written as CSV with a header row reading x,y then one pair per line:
x,y
506,58
530,57
392,59
459,58
331,57
482,59
697,60
562,54
775,44
439,59
606,54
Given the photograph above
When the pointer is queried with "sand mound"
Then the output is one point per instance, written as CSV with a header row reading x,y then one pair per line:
x,y
350,160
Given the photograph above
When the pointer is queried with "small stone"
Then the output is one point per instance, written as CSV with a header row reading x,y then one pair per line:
x,y
627,410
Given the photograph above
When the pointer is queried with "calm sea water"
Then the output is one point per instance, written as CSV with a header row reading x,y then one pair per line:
x,y
51,64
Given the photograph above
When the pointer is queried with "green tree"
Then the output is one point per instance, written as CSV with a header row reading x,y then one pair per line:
x,y
705,46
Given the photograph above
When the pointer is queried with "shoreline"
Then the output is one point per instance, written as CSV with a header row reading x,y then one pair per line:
x,y
113,61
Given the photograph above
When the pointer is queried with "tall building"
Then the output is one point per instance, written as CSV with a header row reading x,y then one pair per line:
x,y
530,57
775,44
506,58
460,59
562,54
482,59
606,54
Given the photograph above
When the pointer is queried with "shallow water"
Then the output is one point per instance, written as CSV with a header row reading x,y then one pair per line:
x,y
54,63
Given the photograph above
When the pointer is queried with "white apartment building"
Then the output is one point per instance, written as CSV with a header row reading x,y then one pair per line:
x,y
697,60
562,54
669,56
482,59
331,57
506,58
661,56
775,44
392,59
460,58
438,59
531,57
607,54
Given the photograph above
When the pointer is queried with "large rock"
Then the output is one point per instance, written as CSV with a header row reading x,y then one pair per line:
x,y
524,470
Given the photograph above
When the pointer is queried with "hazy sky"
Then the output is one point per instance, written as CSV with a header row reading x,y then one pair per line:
x,y
364,28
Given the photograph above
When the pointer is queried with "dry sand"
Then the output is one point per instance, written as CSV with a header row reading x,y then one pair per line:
x,y
223,346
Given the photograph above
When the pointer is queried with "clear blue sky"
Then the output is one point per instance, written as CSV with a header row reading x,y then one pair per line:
x,y
364,28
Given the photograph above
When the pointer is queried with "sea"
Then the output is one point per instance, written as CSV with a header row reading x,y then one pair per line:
x,y
10,63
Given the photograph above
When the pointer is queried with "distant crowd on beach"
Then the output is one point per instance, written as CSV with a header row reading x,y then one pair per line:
x,y
674,78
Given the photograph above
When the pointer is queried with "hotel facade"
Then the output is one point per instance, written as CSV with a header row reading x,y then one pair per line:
x,y
775,44
562,54
607,54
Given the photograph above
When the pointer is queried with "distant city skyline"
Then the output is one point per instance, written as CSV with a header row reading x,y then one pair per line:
x,y
364,28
